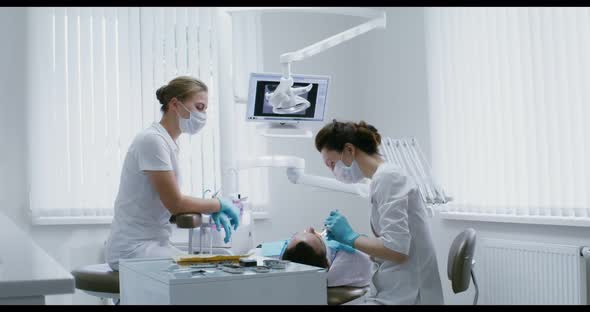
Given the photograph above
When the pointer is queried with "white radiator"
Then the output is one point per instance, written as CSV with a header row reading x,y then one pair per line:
x,y
515,272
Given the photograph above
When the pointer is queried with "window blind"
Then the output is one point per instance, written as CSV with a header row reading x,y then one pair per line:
x,y
94,73
509,95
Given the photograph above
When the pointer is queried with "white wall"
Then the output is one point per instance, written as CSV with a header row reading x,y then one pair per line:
x,y
396,93
294,207
72,246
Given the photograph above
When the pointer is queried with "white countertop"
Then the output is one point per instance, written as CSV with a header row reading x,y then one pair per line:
x,y
157,269
25,268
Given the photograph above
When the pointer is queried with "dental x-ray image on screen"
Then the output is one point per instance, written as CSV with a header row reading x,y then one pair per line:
x,y
262,106
262,85
271,87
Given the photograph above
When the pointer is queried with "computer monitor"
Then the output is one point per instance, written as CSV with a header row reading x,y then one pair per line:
x,y
259,108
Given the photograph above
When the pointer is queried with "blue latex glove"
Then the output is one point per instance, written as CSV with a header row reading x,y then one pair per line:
x,y
224,217
336,246
339,229
220,220
227,208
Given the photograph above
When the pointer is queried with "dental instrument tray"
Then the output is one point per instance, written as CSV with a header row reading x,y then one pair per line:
x,y
248,262
203,266
261,269
188,259
275,264
232,268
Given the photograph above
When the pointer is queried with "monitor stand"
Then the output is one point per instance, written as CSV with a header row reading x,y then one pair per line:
x,y
284,130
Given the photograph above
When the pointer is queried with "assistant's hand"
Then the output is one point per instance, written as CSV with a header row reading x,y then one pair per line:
x,y
220,220
229,210
339,229
224,217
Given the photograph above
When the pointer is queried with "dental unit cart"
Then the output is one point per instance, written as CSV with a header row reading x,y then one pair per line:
x,y
162,281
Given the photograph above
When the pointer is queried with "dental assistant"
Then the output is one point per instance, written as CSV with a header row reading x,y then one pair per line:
x,y
405,269
149,189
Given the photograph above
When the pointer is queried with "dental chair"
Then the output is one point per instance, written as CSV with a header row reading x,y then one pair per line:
x,y
460,263
344,294
459,270
101,281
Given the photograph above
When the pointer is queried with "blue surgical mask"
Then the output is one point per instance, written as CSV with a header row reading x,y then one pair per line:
x,y
348,174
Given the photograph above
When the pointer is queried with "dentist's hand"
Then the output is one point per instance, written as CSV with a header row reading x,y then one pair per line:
x,y
338,246
339,229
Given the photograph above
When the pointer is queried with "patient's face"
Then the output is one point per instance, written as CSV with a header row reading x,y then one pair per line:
x,y
311,237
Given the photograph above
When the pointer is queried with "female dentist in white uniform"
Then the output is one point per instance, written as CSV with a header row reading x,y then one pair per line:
x,y
149,191
405,269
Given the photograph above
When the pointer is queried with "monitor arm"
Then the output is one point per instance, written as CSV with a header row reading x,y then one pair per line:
x,y
285,99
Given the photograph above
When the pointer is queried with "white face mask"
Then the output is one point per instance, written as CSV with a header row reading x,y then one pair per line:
x,y
194,123
346,174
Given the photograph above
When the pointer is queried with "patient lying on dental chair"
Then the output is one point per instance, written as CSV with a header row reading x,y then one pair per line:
x,y
346,266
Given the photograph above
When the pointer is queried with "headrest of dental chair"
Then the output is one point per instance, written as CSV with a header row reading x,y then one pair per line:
x,y
187,220
460,260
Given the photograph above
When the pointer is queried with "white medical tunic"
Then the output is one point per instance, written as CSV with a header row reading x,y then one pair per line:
x,y
141,226
398,218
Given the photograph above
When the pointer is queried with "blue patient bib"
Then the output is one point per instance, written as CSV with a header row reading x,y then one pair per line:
x,y
274,249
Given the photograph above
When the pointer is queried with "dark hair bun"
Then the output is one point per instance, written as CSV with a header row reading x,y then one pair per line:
x,y
160,95
336,134
365,127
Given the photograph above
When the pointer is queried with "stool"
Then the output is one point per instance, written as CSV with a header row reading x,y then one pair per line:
x,y
101,281
343,294
98,280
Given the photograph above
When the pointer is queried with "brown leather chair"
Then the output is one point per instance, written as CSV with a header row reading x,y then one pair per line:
x,y
343,294
101,281
460,262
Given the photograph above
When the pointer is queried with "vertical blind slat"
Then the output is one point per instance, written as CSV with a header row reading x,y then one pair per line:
x,y
205,73
60,105
74,105
576,86
86,106
148,99
124,84
193,68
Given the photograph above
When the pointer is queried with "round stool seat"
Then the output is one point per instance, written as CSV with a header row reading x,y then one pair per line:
x,y
343,294
97,278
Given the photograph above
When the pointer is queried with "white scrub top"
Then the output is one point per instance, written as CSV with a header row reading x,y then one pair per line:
x,y
398,218
141,226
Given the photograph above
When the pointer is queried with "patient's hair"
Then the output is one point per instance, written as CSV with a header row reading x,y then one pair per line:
x,y
334,135
303,253
181,88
